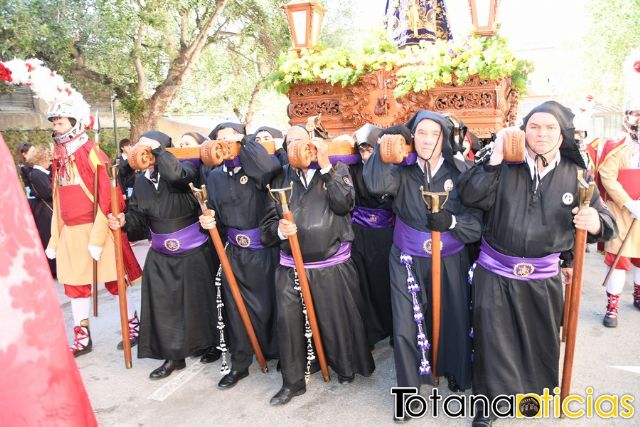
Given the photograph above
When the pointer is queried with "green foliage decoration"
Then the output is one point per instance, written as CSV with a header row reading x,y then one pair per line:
x,y
419,69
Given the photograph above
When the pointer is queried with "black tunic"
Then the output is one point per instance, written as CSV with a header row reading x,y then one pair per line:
x,y
517,322
178,315
454,353
40,183
321,212
370,253
238,198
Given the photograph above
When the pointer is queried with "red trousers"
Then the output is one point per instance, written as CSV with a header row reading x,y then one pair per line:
x,y
84,291
624,263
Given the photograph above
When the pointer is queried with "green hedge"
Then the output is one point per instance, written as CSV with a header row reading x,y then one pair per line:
x,y
14,137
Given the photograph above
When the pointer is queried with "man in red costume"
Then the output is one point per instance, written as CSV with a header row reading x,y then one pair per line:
x,y
77,236
619,170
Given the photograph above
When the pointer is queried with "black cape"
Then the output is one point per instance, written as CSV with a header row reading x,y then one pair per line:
x,y
370,253
454,354
321,212
516,322
238,198
178,315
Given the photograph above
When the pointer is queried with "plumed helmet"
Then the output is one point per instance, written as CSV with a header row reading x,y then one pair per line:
x,y
68,110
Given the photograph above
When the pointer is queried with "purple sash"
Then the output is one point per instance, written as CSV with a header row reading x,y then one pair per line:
x,y
248,239
516,267
418,243
179,241
343,254
409,160
372,218
233,163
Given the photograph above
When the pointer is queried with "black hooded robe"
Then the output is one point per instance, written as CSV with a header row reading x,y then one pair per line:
x,y
517,322
454,355
178,315
321,212
238,198
370,254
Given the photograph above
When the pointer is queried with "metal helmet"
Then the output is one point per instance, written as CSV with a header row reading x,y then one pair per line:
x,y
63,109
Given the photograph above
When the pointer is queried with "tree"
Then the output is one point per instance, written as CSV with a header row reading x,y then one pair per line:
x,y
613,33
233,72
142,50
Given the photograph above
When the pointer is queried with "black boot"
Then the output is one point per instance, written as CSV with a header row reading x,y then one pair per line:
x,y
167,368
288,392
480,420
232,379
453,384
211,355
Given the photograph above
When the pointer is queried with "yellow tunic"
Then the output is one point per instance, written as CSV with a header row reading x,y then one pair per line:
x,y
620,158
73,260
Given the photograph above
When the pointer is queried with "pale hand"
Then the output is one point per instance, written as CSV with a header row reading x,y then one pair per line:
x,y
567,275
287,228
148,142
116,223
50,253
323,152
95,251
586,219
207,221
634,208
497,154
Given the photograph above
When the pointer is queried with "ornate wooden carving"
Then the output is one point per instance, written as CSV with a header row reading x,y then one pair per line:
x,y
484,105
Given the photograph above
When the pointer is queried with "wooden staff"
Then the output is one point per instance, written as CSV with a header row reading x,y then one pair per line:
x,y
566,310
304,283
432,200
619,254
122,286
586,192
94,283
201,196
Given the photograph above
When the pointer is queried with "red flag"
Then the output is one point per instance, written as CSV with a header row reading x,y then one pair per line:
x,y
40,383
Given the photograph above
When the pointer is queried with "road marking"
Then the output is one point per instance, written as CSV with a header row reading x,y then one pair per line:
x,y
175,383
634,369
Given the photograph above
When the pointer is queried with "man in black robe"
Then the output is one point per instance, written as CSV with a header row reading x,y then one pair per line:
x,y
178,300
435,168
321,200
237,194
530,216
372,222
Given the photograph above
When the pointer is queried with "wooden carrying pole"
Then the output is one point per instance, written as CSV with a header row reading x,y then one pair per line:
x,y
122,286
586,192
94,282
200,195
436,265
622,247
304,287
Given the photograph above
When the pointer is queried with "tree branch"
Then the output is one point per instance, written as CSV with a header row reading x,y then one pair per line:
x,y
137,62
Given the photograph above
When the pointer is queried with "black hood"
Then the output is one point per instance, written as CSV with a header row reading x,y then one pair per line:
x,y
235,126
449,147
197,136
568,147
275,133
156,135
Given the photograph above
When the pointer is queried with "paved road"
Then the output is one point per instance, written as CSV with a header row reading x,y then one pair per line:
x,y
607,360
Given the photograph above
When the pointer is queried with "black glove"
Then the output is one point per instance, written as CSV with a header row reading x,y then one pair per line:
x,y
440,221
397,130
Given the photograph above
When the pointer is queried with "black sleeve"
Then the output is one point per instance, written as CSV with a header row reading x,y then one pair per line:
x,y
478,186
178,174
269,222
340,189
379,177
136,225
608,227
468,228
258,164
